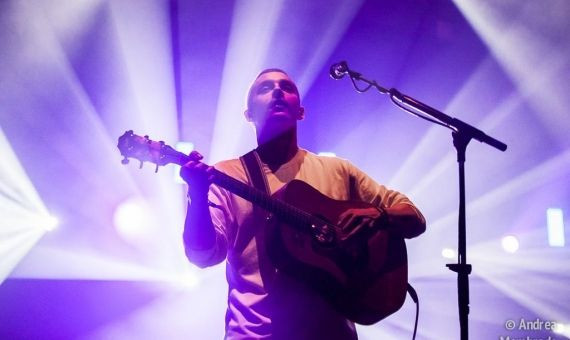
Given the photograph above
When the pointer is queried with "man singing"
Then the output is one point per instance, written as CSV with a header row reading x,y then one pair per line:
x,y
220,225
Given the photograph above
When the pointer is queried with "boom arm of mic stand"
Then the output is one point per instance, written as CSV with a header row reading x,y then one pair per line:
x,y
468,131
459,126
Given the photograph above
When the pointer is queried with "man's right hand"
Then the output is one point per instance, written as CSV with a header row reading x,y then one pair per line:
x,y
198,176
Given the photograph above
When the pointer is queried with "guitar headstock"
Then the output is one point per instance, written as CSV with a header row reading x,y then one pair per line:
x,y
147,150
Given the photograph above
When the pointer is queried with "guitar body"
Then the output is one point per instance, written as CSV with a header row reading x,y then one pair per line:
x,y
365,277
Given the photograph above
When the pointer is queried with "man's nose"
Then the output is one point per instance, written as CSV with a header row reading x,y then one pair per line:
x,y
277,92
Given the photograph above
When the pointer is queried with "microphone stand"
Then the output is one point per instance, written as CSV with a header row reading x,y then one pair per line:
x,y
462,135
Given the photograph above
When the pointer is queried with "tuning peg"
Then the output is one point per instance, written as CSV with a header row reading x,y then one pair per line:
x,y
156,170
147,139
196,156
141,165
125,160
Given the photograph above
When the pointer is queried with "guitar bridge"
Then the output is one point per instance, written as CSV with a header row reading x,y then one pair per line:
x,y
323,234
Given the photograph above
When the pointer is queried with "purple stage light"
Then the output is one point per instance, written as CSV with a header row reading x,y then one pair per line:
x,y
555,227
448,253
186,148
510,244
327,154
49,222
132,220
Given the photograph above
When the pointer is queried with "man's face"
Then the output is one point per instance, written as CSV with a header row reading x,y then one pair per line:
x,y
274,102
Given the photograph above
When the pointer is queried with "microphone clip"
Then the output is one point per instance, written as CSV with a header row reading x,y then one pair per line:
x,y
341,69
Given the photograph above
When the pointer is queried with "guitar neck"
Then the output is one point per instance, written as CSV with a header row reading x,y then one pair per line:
x,y
284,211
159,153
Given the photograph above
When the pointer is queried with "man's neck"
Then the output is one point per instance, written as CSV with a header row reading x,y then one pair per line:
x,y
278,150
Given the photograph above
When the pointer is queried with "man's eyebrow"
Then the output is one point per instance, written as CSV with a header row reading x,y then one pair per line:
x,y
281,82
288,82
265,82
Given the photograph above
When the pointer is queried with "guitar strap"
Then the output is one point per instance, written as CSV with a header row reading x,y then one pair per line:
x,y
257,179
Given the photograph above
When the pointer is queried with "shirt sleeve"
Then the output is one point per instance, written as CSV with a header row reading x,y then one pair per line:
x,y
364,188
221,218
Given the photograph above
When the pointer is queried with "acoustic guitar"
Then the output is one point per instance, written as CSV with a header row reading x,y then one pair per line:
x,y
363,276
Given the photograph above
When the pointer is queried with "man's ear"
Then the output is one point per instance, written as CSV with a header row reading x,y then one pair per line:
x,y
301,114
247,115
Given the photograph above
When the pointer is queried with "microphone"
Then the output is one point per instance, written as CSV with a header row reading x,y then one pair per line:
x,y
338,70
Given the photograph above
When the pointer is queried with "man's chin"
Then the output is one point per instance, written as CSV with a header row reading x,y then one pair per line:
x,y
279,123
280,117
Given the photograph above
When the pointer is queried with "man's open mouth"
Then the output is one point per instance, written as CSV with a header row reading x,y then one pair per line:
x,y
278,105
